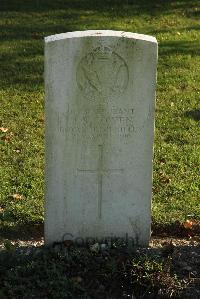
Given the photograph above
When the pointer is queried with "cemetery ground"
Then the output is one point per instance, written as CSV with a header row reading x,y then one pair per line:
x,y
171,266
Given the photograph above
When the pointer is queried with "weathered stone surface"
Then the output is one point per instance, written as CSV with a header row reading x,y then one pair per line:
x,y
100,94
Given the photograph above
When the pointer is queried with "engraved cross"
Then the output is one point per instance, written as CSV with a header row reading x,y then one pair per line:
x,y
100,173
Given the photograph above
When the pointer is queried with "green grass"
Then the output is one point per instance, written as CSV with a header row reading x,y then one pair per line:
x,y
24,24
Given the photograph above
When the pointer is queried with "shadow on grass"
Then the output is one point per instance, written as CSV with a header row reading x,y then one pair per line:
x,y
73,272
49,15
22,232
172,31
26,23
168,270
161,6
175,229
23,68
194,114
179,47
35,231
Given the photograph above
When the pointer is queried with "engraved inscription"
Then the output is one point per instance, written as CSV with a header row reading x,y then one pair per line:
x,y
100,174
102,72
105,126
96,126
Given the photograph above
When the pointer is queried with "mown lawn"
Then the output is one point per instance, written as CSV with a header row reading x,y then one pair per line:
x,y
24,24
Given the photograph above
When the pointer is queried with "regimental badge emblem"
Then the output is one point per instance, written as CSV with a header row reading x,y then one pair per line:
x,y
102,73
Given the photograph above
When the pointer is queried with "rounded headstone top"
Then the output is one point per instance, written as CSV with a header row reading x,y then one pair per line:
x,y
99,33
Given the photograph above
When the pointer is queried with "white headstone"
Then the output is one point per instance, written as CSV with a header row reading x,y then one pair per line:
x,y
100,96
